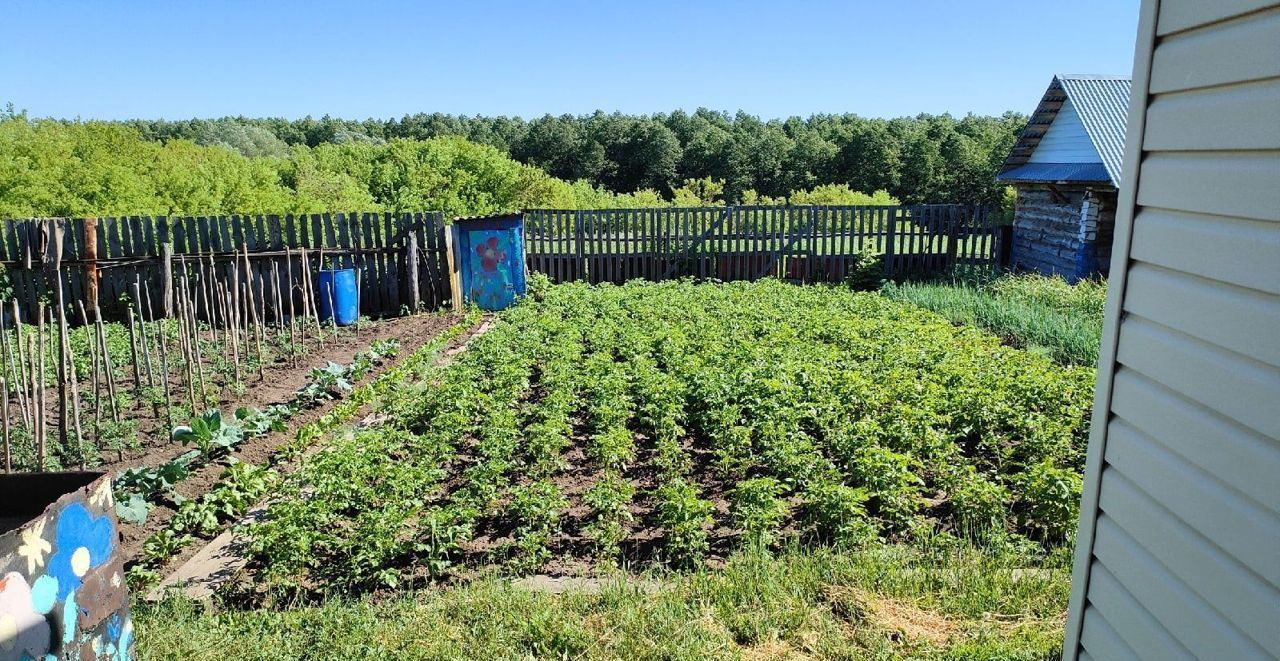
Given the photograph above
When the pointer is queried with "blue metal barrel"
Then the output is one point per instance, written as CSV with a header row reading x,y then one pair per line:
x,y
339,298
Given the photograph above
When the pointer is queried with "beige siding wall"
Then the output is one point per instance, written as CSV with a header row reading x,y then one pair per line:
x,y
1179,547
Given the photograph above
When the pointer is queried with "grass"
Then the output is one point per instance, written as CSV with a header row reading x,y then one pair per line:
x,y
884,602
1043,314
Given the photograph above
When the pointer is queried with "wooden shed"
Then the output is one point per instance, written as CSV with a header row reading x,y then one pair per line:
x,y
1066,170
1178,551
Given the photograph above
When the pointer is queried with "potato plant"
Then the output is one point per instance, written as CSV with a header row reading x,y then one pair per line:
x,y
703,412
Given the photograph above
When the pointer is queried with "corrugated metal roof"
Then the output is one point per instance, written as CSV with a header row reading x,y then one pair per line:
x,y
1068,172
1103,105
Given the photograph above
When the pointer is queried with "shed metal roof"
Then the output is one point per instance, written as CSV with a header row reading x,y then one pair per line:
x,y
1103,105
1058,172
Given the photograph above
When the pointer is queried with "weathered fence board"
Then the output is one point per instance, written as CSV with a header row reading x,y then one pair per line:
x,y
401,256
108,255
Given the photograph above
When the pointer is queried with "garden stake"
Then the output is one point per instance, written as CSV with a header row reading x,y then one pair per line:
x,y
207,278
40,398
186,353
108,368
164,361
233,319
275,278
253,307
8,357
133,348
75,398
64,422
199,357
93,357
8,464
20,384
293,318
146,343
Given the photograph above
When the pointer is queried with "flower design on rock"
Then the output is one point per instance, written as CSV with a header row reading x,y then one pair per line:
x,y
84,542
102,496
34,546
23,631
491,254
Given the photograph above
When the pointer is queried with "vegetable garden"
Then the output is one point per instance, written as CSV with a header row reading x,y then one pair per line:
x,y
669,425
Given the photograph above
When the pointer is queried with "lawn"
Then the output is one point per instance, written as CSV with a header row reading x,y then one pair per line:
x,y
746,468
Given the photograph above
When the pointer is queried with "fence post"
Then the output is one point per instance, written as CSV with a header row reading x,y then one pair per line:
x,y
953,226
166,277
90,233
579,235
411,262
891,220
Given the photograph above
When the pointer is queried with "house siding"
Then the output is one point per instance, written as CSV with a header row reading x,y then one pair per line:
x,y
1180,525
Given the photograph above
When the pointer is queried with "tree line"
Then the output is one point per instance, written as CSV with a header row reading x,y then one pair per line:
x,y
76,169
926,158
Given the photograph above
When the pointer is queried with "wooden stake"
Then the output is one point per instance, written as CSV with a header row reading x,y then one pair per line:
x,y
64,388
142,326
133,349
8,457
75,397
33,382
40,398
90,333
7,371
195,346
21,382
164,362
108,368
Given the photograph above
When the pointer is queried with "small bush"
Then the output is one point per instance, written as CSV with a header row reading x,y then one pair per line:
x,y
1052,500
758,508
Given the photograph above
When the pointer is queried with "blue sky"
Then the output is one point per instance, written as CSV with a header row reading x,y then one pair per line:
x,y
376,58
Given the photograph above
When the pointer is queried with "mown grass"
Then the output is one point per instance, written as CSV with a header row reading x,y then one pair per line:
x,y
1044,314
885,602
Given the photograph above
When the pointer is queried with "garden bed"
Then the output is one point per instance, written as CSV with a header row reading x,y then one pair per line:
x,y
669,425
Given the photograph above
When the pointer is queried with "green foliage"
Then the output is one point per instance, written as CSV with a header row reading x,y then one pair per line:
x,y
610,501
867,271
210,433
837,513
758,508
764,407
804,604
1051,499
464,165
1041,313
685,518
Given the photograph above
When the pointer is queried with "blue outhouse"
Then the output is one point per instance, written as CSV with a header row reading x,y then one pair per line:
x,y
489,259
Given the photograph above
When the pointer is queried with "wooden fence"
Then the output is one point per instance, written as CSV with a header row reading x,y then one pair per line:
x,y
399,258
402,264
807,244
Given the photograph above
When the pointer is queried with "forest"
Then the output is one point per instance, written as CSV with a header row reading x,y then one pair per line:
x,y
467,165
926,158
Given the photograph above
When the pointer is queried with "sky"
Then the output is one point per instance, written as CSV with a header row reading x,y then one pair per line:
x,y
382,58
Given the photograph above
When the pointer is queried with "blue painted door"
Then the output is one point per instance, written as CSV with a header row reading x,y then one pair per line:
x,y
494,267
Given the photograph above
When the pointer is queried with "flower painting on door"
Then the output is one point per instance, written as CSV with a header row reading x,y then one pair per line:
x,y
490,283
